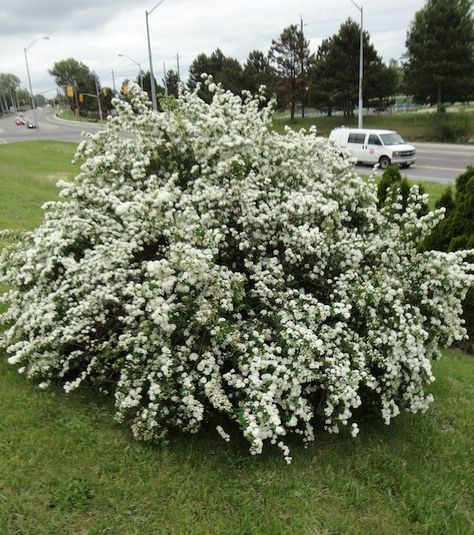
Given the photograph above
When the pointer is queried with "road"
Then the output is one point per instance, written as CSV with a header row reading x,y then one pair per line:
x,y
435,162
50,128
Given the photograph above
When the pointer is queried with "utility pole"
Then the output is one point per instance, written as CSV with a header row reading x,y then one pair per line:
x,y
76,100
177,66
113,82
33,105
98,98
152,77
2,102
164,79
11,98
361,63
302,67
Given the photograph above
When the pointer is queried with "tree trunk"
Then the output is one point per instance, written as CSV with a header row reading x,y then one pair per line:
x,y
329,111
441,108
347,110
293,98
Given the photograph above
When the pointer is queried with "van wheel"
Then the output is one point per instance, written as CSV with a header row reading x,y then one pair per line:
x,y
384,162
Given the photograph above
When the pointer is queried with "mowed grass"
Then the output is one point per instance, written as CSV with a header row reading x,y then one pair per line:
x,y
29,172
433,189
67,468
71,116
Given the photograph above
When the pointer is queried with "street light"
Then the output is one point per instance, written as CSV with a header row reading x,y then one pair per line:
x,y
33,106
139,67
361,61
152,77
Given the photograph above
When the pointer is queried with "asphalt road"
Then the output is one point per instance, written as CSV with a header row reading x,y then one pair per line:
x,y
50,128
435,162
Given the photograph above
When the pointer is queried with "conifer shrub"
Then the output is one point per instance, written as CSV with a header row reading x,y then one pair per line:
x,y
207,269
456,232
392,185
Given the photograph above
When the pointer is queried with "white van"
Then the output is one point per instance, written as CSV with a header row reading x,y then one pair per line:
x,y
375,146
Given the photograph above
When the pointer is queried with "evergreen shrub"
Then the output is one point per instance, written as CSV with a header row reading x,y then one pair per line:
x,y
392,185
456,232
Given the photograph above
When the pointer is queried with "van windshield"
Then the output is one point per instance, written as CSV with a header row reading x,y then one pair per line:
x,y
392,139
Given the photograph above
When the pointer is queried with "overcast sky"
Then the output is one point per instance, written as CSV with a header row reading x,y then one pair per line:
x,y
96,31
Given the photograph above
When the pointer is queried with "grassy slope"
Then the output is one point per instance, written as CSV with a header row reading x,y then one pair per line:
x,y
411,126
29,172
67,468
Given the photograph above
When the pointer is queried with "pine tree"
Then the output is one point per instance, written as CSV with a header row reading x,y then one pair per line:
x,y
440,53
291,57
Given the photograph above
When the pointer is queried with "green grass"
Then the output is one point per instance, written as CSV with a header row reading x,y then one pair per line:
x,y
29,172
66,468
71,116
411,126
434,189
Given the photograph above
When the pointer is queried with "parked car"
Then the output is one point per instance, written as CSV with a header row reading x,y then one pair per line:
x,y
29,124
372,146
20,120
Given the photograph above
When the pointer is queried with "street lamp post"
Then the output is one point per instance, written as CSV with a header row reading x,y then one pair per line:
x,y
33,106
361,62
139,67
152,77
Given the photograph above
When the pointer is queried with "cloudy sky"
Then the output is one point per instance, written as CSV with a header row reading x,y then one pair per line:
x,y
96,31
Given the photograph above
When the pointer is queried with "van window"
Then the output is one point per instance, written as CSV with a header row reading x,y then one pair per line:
x,y
392,139
356,138
374,140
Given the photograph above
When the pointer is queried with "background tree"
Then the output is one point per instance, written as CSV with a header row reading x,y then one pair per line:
x,y
78,75
399,76
23,97
440,53
106,96
9,84
171,82
335,76
225,70
124,89
291,57
147,85
202,64
258,71
40,100
383,87
69,71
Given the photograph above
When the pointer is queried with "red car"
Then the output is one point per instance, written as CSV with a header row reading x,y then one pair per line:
x,y
19,120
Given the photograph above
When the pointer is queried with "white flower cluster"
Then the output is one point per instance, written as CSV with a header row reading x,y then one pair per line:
x,y
207,268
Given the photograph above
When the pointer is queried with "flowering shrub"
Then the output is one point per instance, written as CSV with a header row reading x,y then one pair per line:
x,y
207,268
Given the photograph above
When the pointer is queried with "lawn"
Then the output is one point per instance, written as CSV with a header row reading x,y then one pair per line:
x,y
71,116
29,172
66,468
